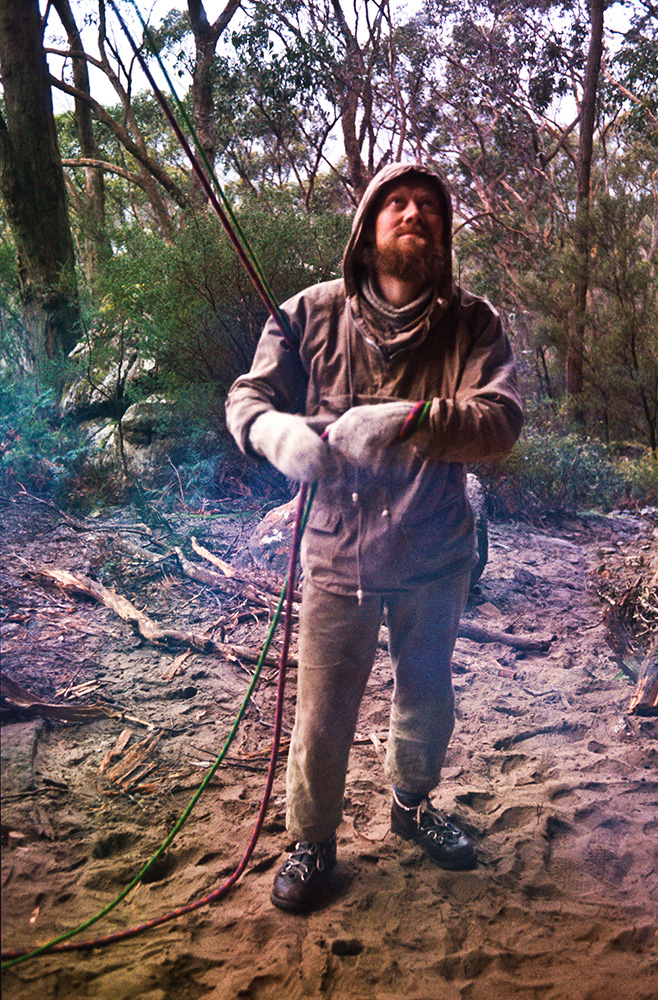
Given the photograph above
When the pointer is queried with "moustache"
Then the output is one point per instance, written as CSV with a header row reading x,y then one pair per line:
x,y
413,231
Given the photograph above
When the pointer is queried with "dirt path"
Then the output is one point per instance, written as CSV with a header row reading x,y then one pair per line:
x,y
556,782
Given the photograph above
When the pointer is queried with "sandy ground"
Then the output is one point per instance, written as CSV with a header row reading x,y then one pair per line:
x,y
555,781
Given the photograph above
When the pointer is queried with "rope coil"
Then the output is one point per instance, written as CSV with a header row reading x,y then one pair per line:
x,y
62,943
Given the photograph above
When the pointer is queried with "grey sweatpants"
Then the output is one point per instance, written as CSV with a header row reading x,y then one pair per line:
x,y
337,646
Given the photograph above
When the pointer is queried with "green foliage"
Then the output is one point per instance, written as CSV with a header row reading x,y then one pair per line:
x,y
12,327
39,450
636,66
192,306
550,473
477,90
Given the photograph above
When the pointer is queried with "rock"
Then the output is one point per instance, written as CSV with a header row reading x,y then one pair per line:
x,y
149,420
477,499
269,545
98,381
150,436
524,578
102,436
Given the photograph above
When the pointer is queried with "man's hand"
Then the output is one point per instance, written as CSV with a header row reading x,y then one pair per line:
x,y
362,433
290,445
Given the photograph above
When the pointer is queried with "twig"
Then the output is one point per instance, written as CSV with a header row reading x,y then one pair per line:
x,y
476,633
180,485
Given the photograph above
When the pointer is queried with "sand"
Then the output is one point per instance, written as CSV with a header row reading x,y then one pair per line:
x,y
555,781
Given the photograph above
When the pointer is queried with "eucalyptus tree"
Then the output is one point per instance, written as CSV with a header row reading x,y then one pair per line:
x,y
162,188
201,64
311,88
582,243
92,207
32,184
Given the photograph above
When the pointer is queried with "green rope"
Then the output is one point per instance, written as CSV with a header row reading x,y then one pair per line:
x,y
195,798
206,163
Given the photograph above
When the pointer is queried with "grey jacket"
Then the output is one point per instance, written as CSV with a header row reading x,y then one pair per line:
x,y
406,519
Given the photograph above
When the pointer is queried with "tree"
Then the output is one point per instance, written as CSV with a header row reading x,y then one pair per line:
x,y
301,73
206,36
144,167
587,114
33,189
96,244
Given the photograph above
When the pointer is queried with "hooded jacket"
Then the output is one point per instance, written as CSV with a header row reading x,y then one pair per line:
x,y
405,520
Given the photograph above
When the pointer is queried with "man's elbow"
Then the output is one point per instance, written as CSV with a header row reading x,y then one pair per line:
x,y
508,433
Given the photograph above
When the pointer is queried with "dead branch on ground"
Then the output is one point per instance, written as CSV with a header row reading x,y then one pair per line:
x,y
476,633
146,627
644,700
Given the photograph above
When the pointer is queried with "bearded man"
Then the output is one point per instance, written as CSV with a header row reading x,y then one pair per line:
x,y
390,530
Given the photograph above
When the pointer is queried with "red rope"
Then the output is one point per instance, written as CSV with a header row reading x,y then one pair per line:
x,y
413,420
266,296
222,890
411,423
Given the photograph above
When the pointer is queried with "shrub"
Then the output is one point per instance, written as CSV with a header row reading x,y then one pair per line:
x,y
38,448
549,474
189,303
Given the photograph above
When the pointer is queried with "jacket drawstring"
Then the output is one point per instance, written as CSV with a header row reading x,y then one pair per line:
x,y
355,493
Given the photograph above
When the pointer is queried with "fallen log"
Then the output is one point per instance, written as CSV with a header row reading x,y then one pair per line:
x,y
209,578
139,552
16,697
19,699
229,580
146,627
210,557
644,700
141,622
476,633
253,587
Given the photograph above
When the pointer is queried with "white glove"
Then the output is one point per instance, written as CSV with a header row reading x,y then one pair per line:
x,y
362,433
287,441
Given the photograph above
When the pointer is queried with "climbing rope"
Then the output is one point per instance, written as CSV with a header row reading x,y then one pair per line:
x,y
414,419
63,942
206,176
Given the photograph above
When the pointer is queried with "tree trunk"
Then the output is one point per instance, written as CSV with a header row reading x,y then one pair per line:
x,y
96,243
354,80
33,189
206,36
577,319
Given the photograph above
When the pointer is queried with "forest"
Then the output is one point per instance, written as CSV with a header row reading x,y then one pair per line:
x,y
119,286
143,555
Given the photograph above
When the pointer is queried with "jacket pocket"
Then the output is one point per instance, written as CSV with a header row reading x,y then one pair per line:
x,y
324,519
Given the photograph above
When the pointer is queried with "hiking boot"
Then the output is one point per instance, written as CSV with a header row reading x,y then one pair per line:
x,y
443,842
301,883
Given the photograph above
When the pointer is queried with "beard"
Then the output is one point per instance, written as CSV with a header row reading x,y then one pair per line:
x,y
420,261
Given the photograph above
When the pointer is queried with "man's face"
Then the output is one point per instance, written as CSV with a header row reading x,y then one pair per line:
x,y
409,230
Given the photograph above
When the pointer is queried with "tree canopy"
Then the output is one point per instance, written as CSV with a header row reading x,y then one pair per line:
x,y
542,115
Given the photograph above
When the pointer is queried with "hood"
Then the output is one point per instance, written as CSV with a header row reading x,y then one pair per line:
x,y
364,217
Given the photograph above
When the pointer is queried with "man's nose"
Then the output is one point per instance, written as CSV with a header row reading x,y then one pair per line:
x,y
411,210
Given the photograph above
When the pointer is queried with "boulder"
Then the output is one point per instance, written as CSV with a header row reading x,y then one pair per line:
x,y
478,501
100,378
269,545
150,436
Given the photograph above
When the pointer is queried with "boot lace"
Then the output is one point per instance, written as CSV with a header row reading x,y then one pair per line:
x,y
307,857
434,825
431,822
